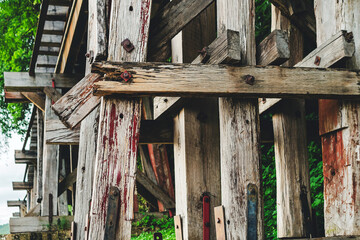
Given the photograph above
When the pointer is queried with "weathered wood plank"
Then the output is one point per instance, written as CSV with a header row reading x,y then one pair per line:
x,y
15,203
25,155
274,49
57,133
50,179
22,185
34,224
63,209
78,102
240,156
157,79
40,144
36,99
74,31
52,93
21,81
170,21
116,157
340,145
67,182
15,97
300,13
155,190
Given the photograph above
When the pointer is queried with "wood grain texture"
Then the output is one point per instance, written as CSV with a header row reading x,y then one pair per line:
x,y
15,97
116,158
341,146
67,182
63,209
155,190
21,81
220,223
40,144
239,132
52,93
77,103
22,185
25,155
157,79
33,224
50,167
85,171
58,134
197,163
178,227
274,49
36,99
170,21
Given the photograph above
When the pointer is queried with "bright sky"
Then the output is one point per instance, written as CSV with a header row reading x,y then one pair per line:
x,y
9,172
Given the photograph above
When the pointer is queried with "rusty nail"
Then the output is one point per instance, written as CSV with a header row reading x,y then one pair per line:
x,y
249,79
317,60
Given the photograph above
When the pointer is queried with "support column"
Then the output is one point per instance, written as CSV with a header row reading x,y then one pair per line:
x,y
291,157
339,128
40,145
241,188
50,168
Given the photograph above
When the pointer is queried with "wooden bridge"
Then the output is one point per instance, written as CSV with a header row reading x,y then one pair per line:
x,y
182,84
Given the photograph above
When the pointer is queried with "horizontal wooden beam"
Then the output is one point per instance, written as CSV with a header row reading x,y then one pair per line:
x,y
25,155
15,203
23,82
22,185
36,224
274,49
157,79
155,190
22,161
169,21
15,97
57,133
67,182
156,132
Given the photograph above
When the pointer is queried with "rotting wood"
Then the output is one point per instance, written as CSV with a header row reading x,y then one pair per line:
x,y
240,157
22,185
50,171
165,26
340,140
52,93
158,79
78,102
21,81
120,118
67,182
274,49
155,190
57,133
36,99
34,224
300,13
74,31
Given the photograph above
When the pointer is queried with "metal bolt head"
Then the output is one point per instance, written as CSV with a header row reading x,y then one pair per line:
x,y
126,76
127,45
317,60
249,79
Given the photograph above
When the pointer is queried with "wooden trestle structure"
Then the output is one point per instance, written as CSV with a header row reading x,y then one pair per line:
x,y
94,115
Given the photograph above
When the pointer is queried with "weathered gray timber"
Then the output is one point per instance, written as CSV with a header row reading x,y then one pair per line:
x,y
52,93
40,145
36,99
274,49
63,196
241,190
338,125
22,82
119,123
50,168
165,79
57,133
78,102
22,185
25,155
33,224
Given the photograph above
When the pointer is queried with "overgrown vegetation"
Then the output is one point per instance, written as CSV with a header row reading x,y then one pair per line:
x,y
149,224
18,21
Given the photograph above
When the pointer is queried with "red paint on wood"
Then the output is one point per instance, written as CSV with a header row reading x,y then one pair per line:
x,y
144,19
328,115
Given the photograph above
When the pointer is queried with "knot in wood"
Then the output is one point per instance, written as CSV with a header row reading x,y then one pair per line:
x,y
249,79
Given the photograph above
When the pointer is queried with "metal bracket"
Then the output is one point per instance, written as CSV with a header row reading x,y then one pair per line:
x,y
178,228
206,216
252,205
112,213
127,45
219,223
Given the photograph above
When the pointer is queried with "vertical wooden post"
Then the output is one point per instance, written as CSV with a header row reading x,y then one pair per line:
x,y
196,137
292,167
50,167
239,135
119,122
40,145
97,43
339,128
63,198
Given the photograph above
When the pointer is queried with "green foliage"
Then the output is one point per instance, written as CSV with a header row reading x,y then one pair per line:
x,y
150,224
18,21
262,19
